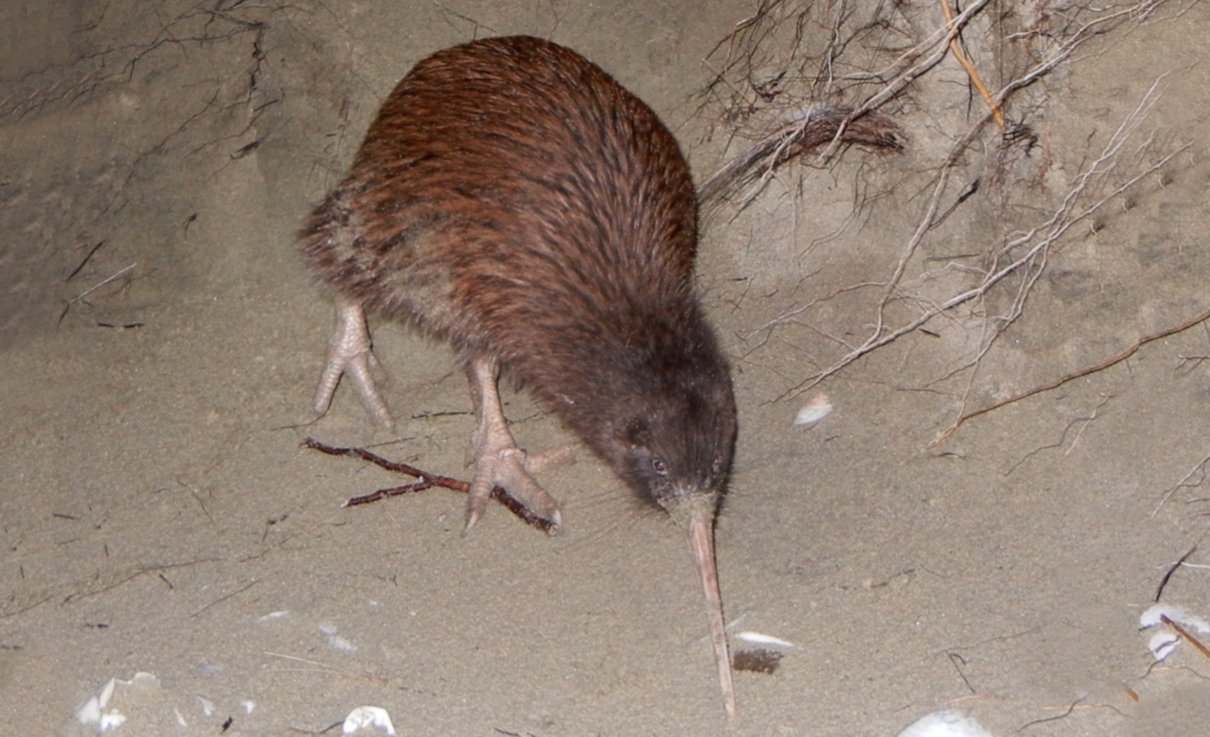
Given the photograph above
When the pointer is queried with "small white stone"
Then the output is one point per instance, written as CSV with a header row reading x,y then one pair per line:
x,y
945,724
373,717
814,410
112,720
90,712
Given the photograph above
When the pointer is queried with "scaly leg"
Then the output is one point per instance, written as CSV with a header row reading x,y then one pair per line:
x,y
498,460
349,353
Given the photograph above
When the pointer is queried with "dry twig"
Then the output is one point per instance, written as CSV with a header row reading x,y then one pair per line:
x,y
1159,590
1016,264
1081,373
1083,423
1187,636
971,71
80,297
1028,251
1198,470
818,126
424,481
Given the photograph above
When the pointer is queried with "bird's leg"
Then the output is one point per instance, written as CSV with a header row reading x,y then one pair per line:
x,y
349,353
498,460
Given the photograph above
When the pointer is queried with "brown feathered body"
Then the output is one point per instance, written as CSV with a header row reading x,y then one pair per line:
x,y
514,200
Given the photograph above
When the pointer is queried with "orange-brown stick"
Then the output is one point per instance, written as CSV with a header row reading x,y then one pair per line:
x,y
960,55
1189,638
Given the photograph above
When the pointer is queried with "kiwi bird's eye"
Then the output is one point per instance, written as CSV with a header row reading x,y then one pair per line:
x,y
658,465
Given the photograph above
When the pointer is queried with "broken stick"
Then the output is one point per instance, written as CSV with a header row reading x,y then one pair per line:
x,y
424,480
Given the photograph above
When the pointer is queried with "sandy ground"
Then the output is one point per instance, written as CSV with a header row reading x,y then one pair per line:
x,y
157,514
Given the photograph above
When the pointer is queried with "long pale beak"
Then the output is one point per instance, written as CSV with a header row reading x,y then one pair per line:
x,y
701,537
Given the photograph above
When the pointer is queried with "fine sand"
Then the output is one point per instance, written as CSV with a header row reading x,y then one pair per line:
x,y
160,340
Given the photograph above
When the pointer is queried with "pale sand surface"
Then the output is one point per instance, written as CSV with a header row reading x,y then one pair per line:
x,y
155,506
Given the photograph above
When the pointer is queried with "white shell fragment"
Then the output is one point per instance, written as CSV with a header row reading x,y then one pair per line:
x,y
1162,644
373,718
945,724
96,711
765,641
1151,618
206,704
814,410
335,641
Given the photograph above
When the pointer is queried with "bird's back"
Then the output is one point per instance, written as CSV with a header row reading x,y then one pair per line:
x,y
511,196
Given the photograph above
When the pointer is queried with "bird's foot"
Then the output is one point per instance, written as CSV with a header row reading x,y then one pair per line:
x,y
499,462
349,355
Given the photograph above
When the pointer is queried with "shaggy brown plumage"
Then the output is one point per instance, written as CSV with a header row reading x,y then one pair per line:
x,y
514,200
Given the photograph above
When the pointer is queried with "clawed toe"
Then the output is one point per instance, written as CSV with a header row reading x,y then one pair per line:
x,y
349,355
550,458
498,460
507,468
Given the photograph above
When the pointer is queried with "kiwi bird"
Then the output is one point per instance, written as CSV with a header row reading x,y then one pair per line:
x,y
513,200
